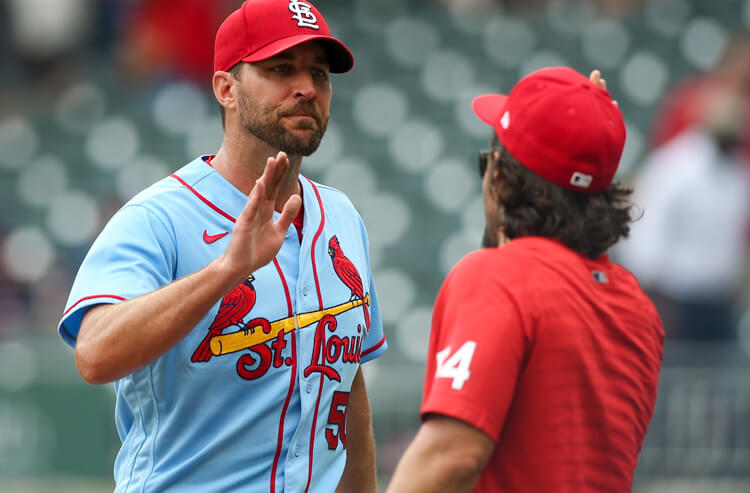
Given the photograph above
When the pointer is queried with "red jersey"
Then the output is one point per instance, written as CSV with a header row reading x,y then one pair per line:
x,y
553,355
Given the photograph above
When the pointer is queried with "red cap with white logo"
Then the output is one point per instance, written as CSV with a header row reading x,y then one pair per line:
x,y
560,125
261,29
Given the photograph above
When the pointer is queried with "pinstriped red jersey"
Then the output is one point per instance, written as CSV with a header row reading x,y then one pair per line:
x,y
553,355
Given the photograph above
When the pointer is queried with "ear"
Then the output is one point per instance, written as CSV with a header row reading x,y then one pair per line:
x,y
223,86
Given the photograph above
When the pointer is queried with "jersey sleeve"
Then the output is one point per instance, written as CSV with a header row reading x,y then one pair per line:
x,y
477,347
133,255
374,343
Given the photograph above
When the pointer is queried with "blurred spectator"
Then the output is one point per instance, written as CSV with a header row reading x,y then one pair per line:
x,y
610,7
172,38
5,50
689,248
689,100
14,302
44,33
108,20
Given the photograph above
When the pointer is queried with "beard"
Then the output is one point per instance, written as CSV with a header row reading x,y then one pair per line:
x,y
267,125
488,240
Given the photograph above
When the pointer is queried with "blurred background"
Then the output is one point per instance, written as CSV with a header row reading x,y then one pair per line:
x,y
101,98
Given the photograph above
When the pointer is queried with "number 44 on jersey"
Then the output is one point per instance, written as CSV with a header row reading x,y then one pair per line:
x,y
455,366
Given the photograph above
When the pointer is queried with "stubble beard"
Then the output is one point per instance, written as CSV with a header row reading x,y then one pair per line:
x,y
494,234
268,127
488,240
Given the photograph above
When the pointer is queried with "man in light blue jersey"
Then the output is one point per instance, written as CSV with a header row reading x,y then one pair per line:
x,y
232,302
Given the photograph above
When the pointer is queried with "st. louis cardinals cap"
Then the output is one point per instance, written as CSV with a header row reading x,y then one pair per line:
x,y
261,29
560,125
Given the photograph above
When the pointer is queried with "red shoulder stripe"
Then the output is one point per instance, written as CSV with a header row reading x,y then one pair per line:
x,y
204,199
375,347
92,297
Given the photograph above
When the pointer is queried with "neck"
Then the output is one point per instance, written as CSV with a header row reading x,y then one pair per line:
x,y
242,161
494,238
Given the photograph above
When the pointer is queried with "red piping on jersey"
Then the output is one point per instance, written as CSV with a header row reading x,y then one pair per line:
x,y
92,297
294,340
292,380
375,347
315,239
286,287
312,435
320,301
204,199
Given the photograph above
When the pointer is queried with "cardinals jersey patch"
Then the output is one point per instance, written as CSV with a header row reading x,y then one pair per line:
x,y
348,274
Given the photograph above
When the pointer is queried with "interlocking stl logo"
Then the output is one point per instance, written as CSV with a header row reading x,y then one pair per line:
x,y
303,14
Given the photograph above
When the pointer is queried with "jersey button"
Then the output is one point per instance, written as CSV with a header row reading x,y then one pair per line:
x,y
309,387
305,291
296,450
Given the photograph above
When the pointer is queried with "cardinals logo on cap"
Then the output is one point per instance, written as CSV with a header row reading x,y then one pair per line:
x,y
303,14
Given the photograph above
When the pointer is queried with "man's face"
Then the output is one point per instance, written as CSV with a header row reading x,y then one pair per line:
x,y
285,100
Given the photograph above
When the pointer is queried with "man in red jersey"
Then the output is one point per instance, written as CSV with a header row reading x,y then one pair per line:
x,y
544,355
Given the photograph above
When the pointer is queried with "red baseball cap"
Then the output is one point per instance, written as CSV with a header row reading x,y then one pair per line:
x,y
261,29
560,125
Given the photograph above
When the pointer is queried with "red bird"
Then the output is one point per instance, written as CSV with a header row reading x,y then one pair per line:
x,y
348,274
234,306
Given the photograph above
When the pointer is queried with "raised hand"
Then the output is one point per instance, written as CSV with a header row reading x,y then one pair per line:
x,y
596,78
256,238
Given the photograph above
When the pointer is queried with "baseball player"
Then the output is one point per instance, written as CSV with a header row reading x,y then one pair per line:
x,y
544,355
232,303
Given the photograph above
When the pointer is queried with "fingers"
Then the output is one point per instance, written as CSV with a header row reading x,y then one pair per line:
x,y
596,78
253,200
266,188
289,212
273,174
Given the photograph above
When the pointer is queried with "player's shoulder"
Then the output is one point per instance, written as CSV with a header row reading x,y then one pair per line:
x,y
627,280
488,262
521,250
511,262
176,183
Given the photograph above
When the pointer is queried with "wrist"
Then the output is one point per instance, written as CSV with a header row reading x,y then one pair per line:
x,y
226,275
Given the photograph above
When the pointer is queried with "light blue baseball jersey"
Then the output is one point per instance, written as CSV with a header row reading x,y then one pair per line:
x,y
254,399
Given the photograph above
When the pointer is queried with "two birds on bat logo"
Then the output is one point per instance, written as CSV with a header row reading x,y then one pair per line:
x,y
238,303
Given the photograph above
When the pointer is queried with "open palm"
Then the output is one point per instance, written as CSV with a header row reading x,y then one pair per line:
x,y
257,238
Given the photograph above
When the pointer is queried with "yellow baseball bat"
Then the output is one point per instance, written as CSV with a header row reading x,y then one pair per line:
x,y
250,336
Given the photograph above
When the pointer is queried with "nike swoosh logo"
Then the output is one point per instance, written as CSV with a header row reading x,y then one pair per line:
x,y
211,238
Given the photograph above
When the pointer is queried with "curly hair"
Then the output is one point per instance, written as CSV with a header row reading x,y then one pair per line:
x,y
587,223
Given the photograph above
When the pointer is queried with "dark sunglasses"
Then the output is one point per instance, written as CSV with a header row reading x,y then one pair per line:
x,y
484,158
